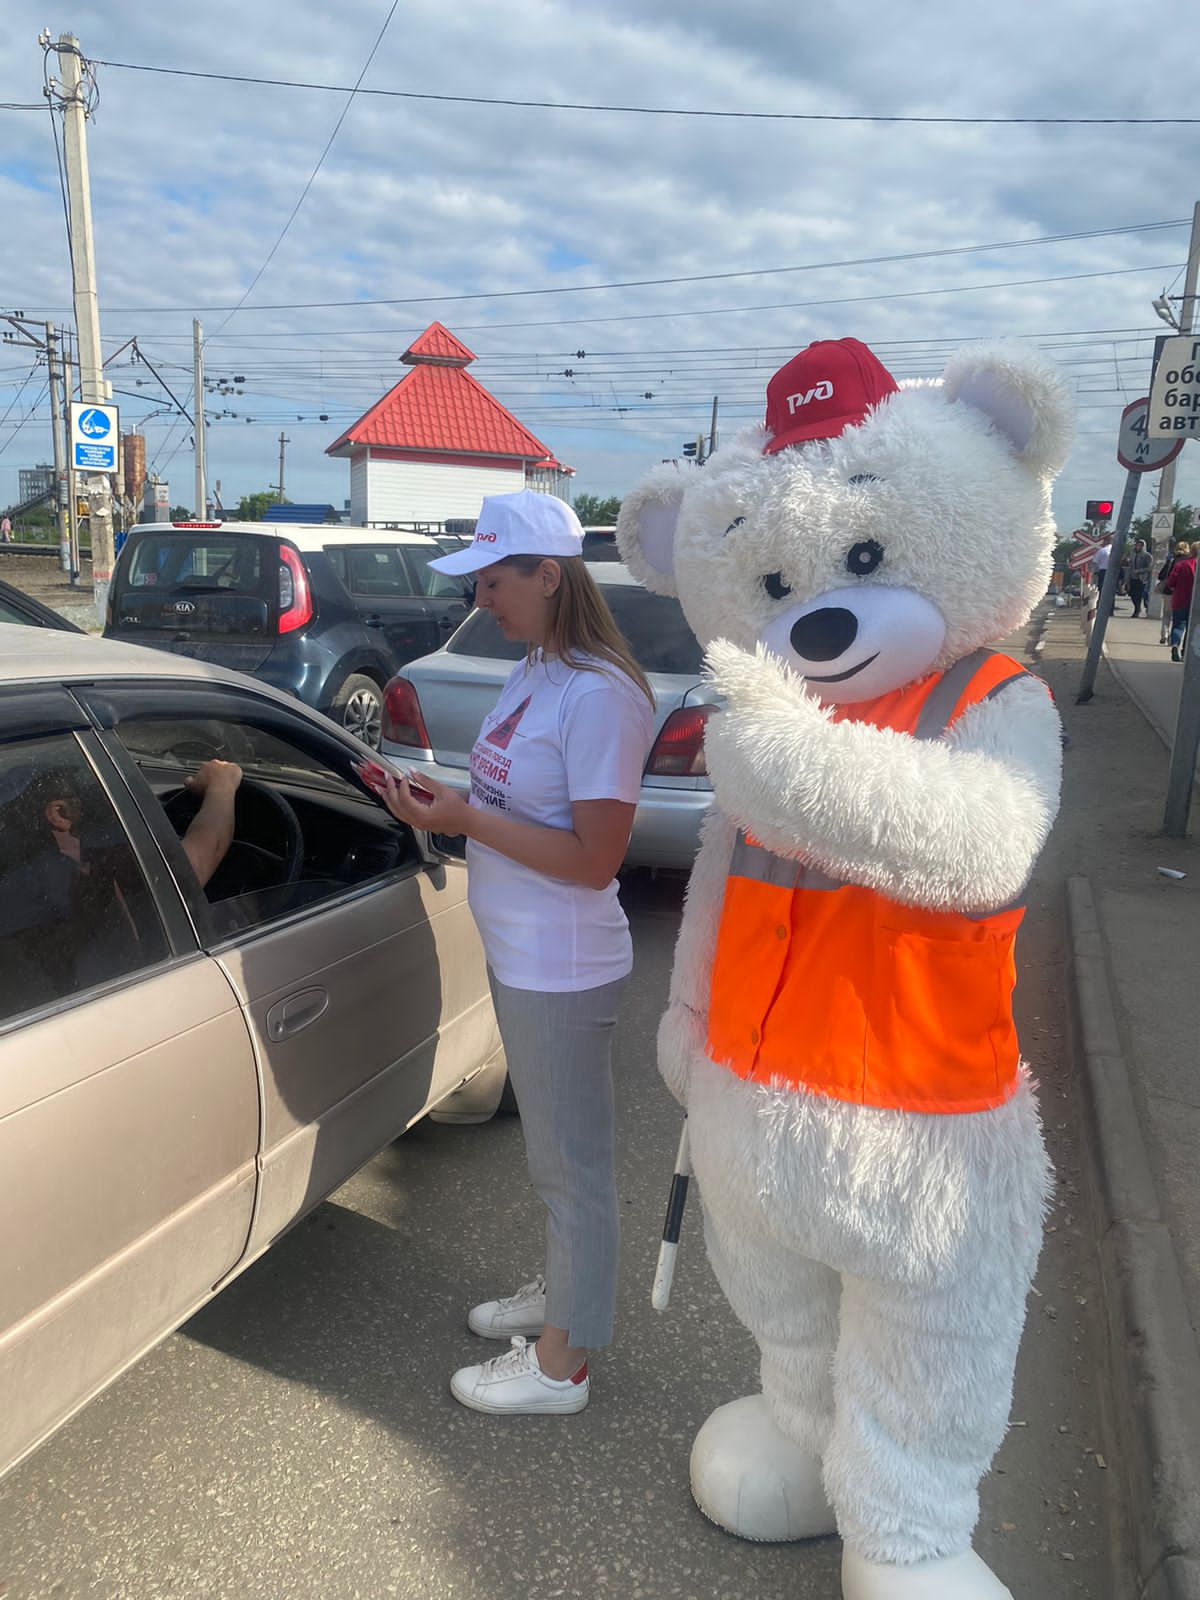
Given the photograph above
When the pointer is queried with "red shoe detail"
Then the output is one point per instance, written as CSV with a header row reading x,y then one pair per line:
x,y
581,1375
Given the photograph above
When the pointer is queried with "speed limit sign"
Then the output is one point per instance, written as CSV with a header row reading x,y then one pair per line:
x,y
1137,449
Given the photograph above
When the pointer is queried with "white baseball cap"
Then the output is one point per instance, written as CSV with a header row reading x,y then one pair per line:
x,y
522,524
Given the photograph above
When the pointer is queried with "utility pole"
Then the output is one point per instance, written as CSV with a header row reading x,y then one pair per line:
x,y
283,444
1184,323
198,421
93,387
62,489
712,432
68,366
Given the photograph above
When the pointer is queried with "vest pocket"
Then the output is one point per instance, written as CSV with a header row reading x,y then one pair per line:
x,y
943,1027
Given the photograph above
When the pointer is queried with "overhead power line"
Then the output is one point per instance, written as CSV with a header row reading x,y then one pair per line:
x,y
703,277
320,163
650,111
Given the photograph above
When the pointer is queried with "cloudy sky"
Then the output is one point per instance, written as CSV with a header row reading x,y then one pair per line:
x,y
530,230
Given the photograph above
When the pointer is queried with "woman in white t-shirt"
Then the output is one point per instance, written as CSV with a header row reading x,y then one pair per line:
x,y
555,776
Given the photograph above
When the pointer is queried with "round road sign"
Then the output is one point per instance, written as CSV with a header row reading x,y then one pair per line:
x,y
1137,449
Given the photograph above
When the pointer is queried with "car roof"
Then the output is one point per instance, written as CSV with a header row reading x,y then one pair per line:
x,y
41,655
304,535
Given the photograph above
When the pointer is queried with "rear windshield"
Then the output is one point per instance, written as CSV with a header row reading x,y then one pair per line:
x,y
653,624
216,562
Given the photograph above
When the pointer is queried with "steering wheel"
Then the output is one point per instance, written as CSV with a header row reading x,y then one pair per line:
x,y
283,866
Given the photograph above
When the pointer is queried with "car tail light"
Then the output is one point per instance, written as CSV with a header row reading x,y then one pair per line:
x,y
402,719
295,596
679,749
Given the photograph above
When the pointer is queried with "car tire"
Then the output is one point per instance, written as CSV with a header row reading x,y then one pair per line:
x,y
358,706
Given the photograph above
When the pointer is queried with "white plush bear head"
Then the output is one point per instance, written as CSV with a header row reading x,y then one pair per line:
x,y
917,532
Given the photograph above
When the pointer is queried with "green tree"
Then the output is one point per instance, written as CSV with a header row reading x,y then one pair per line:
x,y
1184,521
180,514
253,507
594,512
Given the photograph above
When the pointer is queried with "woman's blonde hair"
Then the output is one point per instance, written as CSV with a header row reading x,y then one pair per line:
x,y
580,622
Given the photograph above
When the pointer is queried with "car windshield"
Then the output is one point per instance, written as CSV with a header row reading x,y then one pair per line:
x,y
654,625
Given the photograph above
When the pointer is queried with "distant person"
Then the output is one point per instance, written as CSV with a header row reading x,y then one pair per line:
x,y
1182,548
5,529
1138,582
1179,586
1100,565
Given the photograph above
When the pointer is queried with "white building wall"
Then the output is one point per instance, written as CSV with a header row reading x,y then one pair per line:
x,y
420,491
358,490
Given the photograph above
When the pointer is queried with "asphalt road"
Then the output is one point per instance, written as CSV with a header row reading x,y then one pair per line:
x,y
297,1438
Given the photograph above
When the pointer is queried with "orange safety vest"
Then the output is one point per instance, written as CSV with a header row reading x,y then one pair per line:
x,y
833,988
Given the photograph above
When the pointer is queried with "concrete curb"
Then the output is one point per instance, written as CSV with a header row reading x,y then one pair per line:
x,y
1154,1363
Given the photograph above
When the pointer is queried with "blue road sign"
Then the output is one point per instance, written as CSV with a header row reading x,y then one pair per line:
x,y
95,432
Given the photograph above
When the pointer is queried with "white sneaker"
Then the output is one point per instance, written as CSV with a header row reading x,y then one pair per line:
x,y
523,1313
515,1385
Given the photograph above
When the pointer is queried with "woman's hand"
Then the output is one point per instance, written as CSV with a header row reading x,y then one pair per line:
x,y
446,813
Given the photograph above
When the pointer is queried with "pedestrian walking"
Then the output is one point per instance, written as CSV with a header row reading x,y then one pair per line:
x,y
1138,582
555,776
1179,586
1182,548
5,529
1099,565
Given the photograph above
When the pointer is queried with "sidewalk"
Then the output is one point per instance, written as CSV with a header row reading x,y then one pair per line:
x,y
1134,953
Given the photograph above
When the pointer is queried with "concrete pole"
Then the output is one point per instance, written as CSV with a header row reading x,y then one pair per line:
x,y
72,488
58,433
712,432
198,421
93,387
283,444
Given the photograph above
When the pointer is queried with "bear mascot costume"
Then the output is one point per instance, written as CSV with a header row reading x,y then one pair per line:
x,y
865,1137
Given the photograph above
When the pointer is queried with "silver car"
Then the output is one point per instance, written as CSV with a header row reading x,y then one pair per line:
x,y
185,1071
434,706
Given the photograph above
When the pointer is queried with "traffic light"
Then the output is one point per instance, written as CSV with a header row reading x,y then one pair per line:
x,y
1099,510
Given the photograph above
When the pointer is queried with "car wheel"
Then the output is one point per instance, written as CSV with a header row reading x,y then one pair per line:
x,y
358,706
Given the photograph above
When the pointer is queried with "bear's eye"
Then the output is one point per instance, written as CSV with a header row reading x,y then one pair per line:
x,y
736,523
860,478
864,558
774,585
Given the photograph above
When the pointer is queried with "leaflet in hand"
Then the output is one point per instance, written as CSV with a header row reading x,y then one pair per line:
x,y
375,773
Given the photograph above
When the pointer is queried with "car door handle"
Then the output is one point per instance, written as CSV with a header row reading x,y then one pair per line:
x,y
373,620
449,622
287,1017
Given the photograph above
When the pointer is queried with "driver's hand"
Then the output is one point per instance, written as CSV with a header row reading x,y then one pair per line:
x,y
212,777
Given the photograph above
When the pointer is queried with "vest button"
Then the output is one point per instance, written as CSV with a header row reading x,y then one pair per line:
x,y
781,932
753,1035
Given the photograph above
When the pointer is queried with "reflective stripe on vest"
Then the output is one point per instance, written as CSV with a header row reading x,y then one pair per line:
x,y
830,987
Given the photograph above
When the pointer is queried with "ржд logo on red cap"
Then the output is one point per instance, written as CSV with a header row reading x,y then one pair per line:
x,y
828,387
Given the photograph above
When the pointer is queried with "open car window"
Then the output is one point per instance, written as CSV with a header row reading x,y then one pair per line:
x,y
76,911
306,829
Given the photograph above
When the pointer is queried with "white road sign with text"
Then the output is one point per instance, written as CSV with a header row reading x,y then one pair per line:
x,y
1175,393
95,436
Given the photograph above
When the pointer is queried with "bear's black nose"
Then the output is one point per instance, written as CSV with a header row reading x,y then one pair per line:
x,y
824,635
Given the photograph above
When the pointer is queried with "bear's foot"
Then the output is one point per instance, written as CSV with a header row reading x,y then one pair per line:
x,y
963,1577
751,1479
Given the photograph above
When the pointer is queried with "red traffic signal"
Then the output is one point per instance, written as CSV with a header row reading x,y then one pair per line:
x,y
1099,510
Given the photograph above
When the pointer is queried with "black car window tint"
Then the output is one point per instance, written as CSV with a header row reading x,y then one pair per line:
x,y
75,909
376,573
434,585
10,613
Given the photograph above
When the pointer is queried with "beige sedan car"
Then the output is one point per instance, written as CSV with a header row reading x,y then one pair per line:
x,y
185,1072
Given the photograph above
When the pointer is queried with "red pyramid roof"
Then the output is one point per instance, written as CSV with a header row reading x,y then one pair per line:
x,y
437,344
441,407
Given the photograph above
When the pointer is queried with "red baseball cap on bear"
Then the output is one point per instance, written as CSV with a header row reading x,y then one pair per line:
x,y
828,387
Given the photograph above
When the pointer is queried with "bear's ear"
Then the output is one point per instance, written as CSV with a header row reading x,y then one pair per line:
x,y
646,527
1021,395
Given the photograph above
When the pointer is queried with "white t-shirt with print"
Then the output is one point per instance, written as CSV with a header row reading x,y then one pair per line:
x,y
557,734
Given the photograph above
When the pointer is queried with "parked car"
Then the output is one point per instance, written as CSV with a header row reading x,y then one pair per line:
x,y
600,544
433,708
326,613
17,606
183,1072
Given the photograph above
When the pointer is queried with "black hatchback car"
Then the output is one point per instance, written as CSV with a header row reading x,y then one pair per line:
x,y
326,613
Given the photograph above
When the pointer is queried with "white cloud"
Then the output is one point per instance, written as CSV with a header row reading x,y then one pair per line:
x,y
193,180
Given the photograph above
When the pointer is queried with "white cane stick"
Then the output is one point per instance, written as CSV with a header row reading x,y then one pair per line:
x,y
660,1295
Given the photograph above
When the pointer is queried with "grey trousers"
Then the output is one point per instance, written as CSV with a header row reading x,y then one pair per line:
x,y
559,1049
